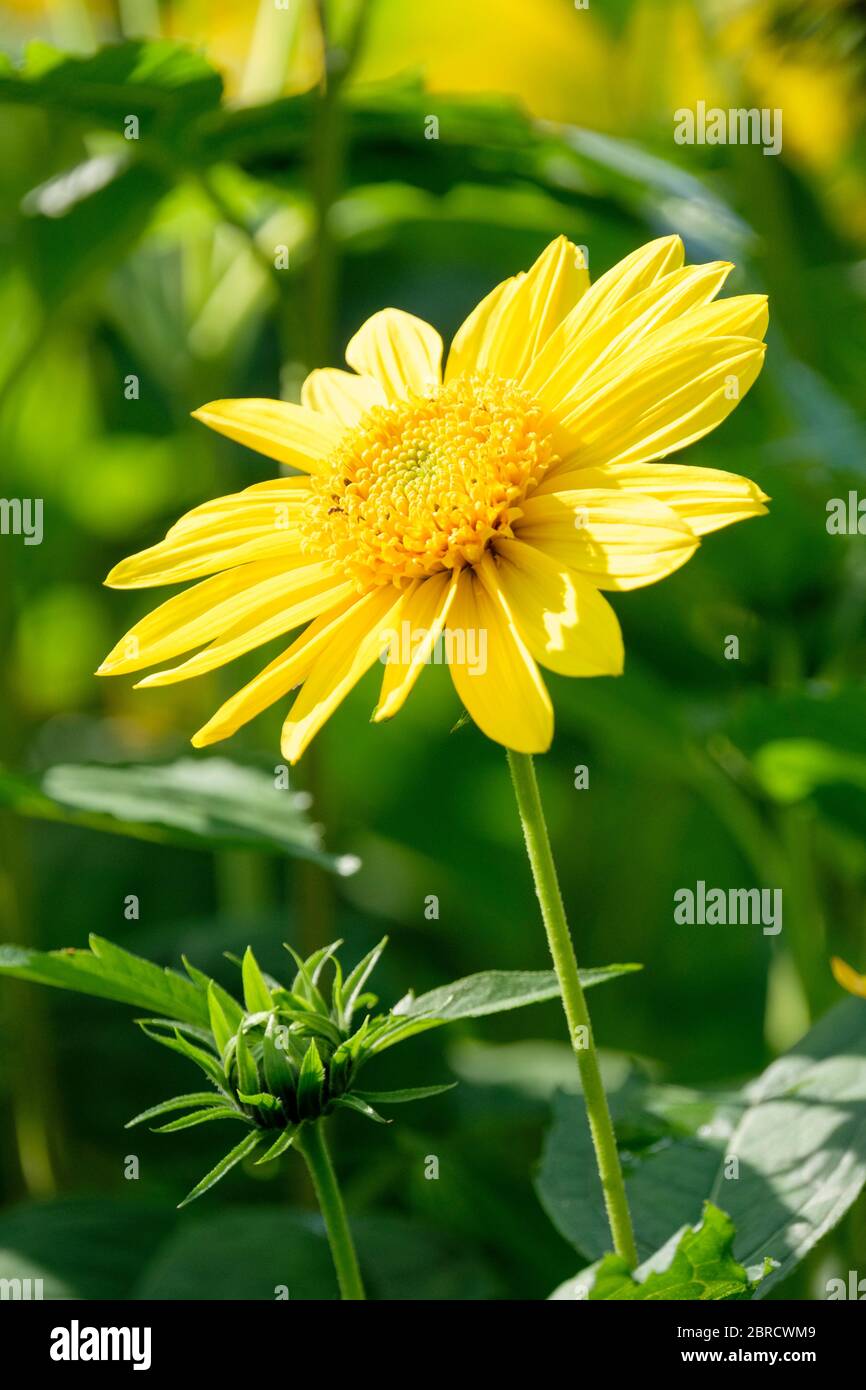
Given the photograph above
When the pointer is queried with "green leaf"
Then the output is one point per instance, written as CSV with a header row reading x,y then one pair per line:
x,y
194,1098
357,978
208,1064
311,1080
230,1006
109,972
220,1026
402,1097
201,1117
494,991
161,82
279,1146
785,1157
278,1068
355,1102
257,996
304,986
83,1247
83,222
239,1152
698,1265
204,803
248,1075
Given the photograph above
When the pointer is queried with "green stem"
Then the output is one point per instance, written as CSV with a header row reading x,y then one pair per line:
x,y
312,1144
573,1001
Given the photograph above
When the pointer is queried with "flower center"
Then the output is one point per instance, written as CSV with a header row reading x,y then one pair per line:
x,y
426,484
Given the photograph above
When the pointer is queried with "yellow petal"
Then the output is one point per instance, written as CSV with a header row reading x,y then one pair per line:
x,y
492,668
291,434
574,352
350,653
848,978
341,395
513,323
259,523
268,506
208,609
565,622
280,676
313,591
660,403
616,540
635,273
705,498
421,625
401,352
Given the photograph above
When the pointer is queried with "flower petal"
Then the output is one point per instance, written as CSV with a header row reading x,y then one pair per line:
x,y
659,403
566,623
196,616
705,498
421,626
574,352
311,591
259,523
617,540
636,272
291,434
492,669
341,396
513,323
401,352
351,652
280,676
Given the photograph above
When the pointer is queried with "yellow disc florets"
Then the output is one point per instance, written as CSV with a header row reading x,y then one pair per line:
x,y
425,484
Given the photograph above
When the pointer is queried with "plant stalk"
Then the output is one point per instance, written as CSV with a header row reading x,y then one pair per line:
x,y
573,1002
312,1144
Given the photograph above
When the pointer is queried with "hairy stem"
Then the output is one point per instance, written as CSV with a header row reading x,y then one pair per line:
x,y
573,1002
312,1144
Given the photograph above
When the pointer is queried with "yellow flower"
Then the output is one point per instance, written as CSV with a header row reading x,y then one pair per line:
x,y
476,514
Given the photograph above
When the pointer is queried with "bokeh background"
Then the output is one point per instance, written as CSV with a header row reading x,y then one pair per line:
x,y
159,263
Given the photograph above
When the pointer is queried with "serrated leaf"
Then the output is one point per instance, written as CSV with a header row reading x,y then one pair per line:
x,y
193,1098
201,1117
279,1146
109,972
493,991
262,1099
797,1133
176,1043
239,1152
402,1097
697,1265
311,1080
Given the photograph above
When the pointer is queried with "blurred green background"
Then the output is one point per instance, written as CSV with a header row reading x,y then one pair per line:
x,y
155,259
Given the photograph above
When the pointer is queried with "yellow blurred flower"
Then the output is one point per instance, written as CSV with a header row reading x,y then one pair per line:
x,y
848,978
